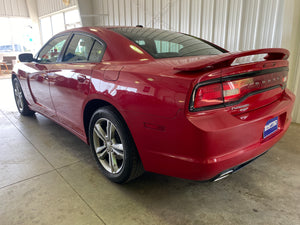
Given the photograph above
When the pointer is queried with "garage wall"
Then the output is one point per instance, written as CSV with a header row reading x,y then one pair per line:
x,y
13,8
290,40
233,24
46,7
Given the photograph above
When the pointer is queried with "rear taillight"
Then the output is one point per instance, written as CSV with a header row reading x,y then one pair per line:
x,y
208,95
233,89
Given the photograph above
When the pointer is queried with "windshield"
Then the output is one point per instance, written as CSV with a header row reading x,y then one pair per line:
x,y
167,44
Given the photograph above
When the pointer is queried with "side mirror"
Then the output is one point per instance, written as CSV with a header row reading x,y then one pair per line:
x,y
26,57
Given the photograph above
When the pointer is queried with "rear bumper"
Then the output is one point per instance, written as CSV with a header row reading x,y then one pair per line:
x,y
243,140
213,142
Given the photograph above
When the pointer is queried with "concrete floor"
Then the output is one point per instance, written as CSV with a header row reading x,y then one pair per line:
x,y
47,176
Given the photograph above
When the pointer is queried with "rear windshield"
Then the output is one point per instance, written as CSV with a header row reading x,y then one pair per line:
x,y
167,44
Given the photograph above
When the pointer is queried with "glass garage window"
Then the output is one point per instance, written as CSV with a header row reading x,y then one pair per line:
x,y
72,19
51,25
17,36
46,29
167,44
58,24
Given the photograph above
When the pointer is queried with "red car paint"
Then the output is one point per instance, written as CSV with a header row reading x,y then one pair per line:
x,y
154,95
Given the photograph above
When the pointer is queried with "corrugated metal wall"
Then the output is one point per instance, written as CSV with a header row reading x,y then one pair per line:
x,y
290,40
233,24
46,7
13,8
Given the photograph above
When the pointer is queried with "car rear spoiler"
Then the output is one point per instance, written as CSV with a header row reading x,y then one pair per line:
x,y
227,59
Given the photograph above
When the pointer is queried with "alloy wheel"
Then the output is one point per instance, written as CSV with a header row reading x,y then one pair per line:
x,y
18,95
108,145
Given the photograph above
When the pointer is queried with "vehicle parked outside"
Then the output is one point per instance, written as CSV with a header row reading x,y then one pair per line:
x,y
156,100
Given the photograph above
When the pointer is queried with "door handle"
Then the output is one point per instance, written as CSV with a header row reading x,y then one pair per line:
x,y
81,78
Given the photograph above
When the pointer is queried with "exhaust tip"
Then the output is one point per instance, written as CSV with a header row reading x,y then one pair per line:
x,y
223,175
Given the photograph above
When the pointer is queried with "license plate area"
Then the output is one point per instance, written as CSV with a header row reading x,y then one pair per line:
x,y
270,127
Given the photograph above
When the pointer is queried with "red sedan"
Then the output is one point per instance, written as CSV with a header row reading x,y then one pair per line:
x,y
156,100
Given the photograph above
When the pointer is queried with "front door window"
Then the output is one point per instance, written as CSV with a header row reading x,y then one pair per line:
x,y
51,51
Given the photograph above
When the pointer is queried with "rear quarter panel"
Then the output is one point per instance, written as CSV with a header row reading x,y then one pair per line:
x,y
149,100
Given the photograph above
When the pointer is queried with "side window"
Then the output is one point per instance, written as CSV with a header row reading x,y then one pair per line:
x,y
97,52
51,50
83,49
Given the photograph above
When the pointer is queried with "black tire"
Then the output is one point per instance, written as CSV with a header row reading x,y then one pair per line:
x,y
21,102
113,147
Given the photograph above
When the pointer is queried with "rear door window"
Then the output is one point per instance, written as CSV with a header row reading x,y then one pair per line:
x,y
97,52
83,48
